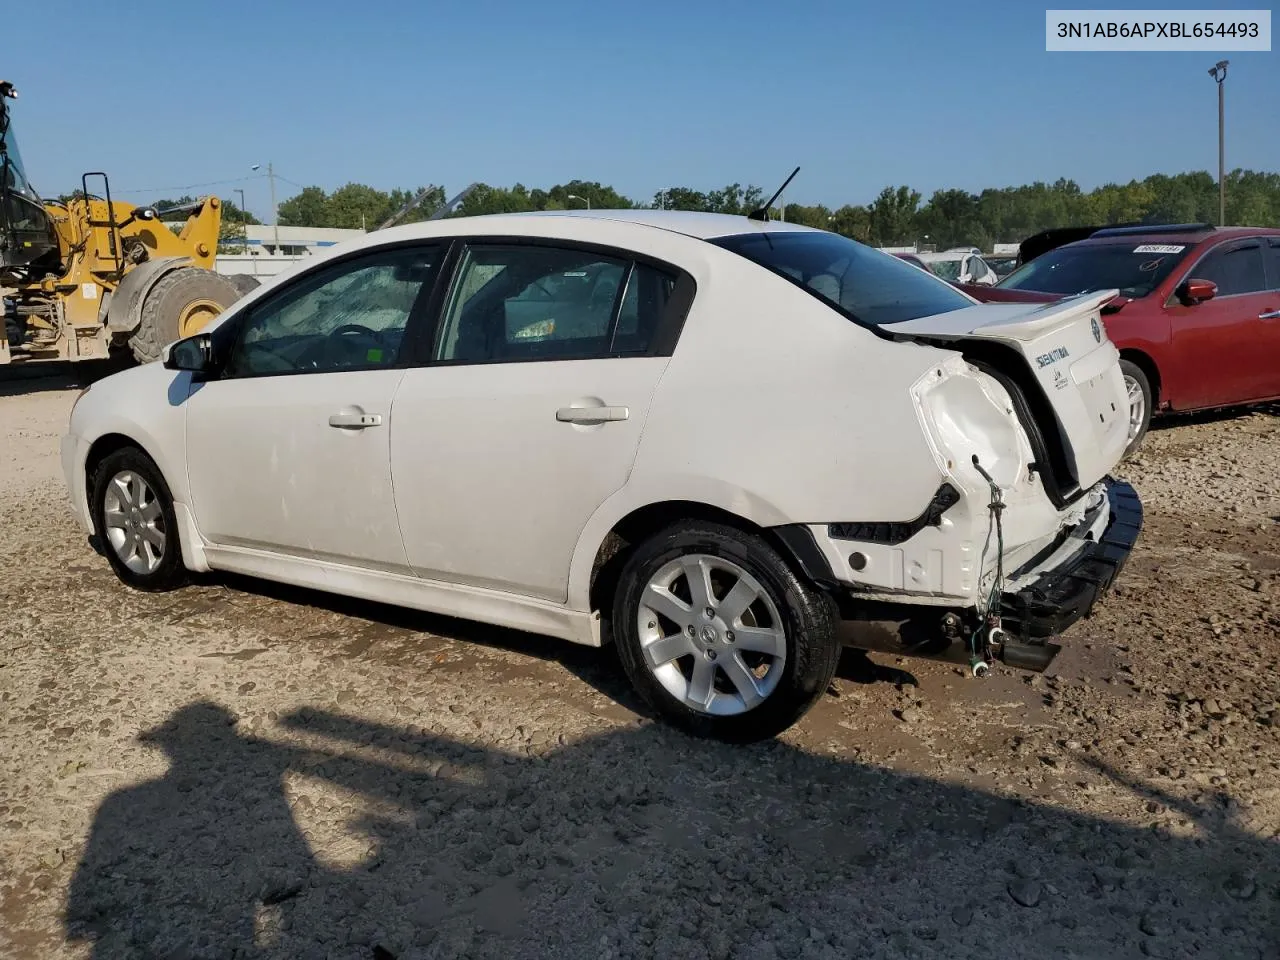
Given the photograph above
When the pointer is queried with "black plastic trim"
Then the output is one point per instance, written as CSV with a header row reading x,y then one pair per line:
x,y
1061,597
799,542
895,532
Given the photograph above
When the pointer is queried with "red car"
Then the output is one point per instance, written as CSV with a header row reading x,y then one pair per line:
x,y
1197,317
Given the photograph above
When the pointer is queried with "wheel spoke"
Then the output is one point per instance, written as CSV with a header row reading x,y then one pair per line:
x,y
153,536
743,680
698,572
114,518
667,649
124,491
663,601
760,640
702,684
150,555
736,601
151,512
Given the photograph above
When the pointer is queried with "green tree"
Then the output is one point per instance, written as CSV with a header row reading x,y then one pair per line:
x,y
308,208
893,216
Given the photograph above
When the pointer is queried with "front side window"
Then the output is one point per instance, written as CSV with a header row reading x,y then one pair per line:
x,y
534,302
350,316
867,286
1273,265
1235,270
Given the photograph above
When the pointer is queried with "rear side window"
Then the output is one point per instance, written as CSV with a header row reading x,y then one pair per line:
x,y
1273,265
538,302
1235,270
867,286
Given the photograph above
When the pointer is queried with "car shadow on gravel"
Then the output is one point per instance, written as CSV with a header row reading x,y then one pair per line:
x,y
335,836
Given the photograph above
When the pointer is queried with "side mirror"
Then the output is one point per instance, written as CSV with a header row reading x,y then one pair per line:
x,y
194,354
1192,291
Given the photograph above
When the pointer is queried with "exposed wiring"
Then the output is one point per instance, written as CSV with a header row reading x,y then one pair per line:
x,y
978,642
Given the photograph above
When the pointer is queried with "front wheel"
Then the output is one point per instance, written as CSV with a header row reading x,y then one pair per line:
x,y
135,521
719,636
1138,388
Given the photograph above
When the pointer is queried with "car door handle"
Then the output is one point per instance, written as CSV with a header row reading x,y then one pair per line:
x,y
591,414
1269,315
355,421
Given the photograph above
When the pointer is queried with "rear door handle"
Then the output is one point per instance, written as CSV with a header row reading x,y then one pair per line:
x,y
1269,315
591,414
355,421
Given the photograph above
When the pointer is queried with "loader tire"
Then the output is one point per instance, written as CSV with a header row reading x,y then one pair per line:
x,y
245,283
182,303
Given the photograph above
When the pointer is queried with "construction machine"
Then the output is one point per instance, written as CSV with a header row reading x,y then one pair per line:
x,y
93,277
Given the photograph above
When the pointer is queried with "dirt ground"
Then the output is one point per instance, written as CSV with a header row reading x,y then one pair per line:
x,y
242,770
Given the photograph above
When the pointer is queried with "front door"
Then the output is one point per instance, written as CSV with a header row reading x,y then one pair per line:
x,y
288,449
1220,344
529,415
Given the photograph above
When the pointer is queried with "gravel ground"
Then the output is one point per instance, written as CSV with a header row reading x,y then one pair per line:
x,y
243,770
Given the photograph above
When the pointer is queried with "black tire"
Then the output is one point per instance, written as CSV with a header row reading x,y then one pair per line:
x,y
170,573
168,300
245,283
808,621
1135,373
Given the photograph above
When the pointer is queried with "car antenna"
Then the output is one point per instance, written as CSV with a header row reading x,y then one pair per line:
x,y
762,213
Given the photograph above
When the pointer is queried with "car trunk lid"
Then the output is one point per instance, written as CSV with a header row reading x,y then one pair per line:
x,y
1062,350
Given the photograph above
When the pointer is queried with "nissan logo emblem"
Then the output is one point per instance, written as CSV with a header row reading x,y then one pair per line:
x,y
1097,330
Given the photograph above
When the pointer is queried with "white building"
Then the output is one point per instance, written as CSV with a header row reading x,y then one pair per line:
x,y
268,250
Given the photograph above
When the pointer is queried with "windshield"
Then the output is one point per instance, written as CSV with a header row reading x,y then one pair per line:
x,y
867,286
946,269
1134,268
15,178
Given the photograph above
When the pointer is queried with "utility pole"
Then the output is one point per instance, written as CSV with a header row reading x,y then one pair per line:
x,y
1219,73
275,212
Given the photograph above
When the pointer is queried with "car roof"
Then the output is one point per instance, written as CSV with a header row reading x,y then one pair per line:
x,y
703,226
1188,237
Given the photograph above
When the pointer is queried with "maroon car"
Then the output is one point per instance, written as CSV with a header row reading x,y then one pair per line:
x,y
1196,319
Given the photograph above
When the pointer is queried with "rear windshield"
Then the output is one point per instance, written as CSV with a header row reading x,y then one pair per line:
x,y
867,286
1134,268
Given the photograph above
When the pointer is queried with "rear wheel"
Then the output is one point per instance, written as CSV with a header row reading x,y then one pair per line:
x,y
1140,403
135,521
182,303
719,636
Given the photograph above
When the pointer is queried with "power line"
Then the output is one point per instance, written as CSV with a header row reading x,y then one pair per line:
x,y
193,186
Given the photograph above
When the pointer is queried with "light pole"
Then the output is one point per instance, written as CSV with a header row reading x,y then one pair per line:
x,y
244,233
574,196
1219,73
275,213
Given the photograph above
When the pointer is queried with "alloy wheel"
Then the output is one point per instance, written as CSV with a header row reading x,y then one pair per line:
x,y
134,522
711,635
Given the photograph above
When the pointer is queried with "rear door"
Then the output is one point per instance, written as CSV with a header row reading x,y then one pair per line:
x,y
1269,318
1222,347
527,415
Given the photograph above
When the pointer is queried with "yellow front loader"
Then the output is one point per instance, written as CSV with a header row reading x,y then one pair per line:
x,y
94,277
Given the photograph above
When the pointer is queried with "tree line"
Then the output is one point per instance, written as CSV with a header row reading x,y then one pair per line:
x,y
898,216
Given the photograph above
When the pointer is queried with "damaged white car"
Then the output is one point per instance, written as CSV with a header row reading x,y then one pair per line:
x,y
727,445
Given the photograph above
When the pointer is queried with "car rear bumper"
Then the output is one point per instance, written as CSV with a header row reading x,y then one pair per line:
x,y
1059,597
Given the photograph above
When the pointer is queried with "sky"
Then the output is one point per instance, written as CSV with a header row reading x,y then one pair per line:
x,y
176,98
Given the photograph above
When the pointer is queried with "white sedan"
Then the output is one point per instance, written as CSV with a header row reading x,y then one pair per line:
x,y
721,443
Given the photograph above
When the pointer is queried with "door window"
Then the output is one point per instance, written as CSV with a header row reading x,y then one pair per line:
x,y
1235,270
1273,264
351,316
550,303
